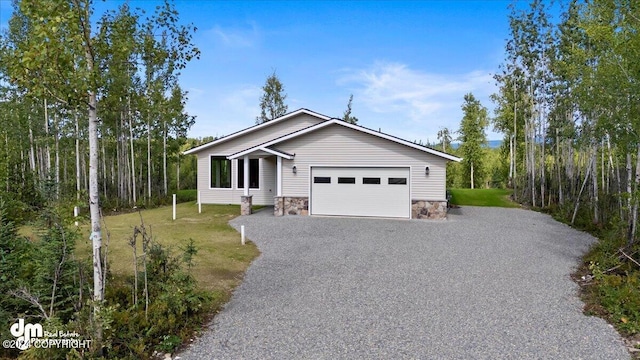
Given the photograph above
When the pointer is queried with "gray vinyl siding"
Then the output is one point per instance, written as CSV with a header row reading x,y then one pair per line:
x,y
267,171
263,135
267,182
337,145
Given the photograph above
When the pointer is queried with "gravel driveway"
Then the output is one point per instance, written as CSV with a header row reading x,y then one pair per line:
x,y
489,283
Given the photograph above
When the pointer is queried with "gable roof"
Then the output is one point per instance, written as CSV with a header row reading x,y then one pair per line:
x,y
256,128
333,121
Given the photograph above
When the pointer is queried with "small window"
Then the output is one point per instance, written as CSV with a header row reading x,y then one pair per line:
x,y
397,181
369,180
322,180
346,180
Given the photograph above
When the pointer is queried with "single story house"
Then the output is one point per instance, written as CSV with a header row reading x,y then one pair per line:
x,y
306,163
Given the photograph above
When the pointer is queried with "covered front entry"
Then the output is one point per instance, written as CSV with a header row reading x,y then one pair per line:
x,y
360,191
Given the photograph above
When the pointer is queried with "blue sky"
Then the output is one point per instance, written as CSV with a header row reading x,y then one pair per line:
x,y
407,64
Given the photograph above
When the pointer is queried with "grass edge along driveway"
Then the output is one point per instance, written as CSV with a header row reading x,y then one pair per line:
x,y
221,260
483,197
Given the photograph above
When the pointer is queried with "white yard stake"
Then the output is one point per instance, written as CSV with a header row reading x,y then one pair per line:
x,y
199,203
242,234
174,206
76,212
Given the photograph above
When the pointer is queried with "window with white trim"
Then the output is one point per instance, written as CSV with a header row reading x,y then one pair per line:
x,y
254,171
220,172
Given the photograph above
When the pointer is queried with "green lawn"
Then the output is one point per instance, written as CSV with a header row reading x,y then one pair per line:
x,y
482,197
221,260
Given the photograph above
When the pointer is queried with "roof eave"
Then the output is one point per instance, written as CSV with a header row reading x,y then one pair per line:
x,y
242,153
399,141
254,128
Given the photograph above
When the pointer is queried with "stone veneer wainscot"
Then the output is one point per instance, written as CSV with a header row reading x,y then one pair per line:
x,y
285,205
428,209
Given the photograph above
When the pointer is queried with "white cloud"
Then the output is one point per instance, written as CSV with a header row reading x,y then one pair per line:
x,y
224,111
394,87
236,37
418,101
243,100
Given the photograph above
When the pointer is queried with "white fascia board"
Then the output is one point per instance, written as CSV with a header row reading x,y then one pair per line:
x,y
260,148
281,139
278,153
400,141
321,125
355,127
254,128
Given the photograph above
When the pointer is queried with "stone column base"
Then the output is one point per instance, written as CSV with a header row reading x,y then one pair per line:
x,y
278,206
428,209
245,204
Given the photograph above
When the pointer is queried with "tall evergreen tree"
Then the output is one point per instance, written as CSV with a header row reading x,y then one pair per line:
x,y
272,100
347,113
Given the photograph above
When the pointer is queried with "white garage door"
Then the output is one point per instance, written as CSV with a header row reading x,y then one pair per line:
x,y
357,191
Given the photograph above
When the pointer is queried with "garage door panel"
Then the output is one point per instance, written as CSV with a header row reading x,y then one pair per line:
x,y
380,192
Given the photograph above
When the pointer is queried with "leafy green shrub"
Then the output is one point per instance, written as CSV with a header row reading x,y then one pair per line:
x,y
176,307
619,296
614,291
186,195
40,280
169,343
160,318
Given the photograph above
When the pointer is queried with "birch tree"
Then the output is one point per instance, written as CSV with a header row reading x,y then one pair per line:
x,y
473,139
61,70
57,60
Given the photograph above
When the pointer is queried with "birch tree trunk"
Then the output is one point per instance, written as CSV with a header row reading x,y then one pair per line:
x,y
47,158
149,157
629,190
510,183
164,157
32,151
594,180
617,173
515,145
94,200
558,165
584,184
133,162
532,158
178,172
57,159
77,156
94,196
104,167
543,179
634,213
6,141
